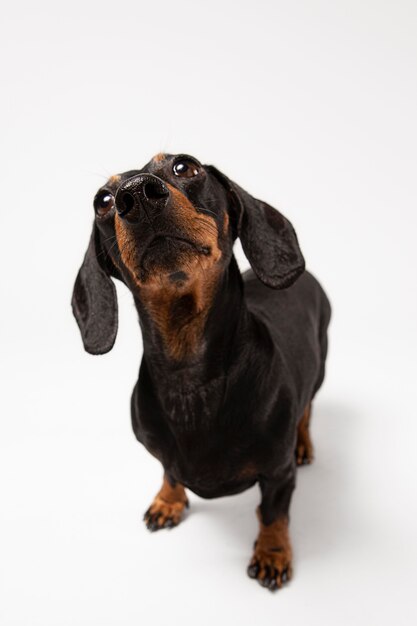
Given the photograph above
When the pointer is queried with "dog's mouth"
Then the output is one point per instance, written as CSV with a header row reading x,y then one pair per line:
x,y
159,241
166,251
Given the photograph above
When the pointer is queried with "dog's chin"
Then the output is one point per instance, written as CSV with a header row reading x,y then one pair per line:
x,y
167,255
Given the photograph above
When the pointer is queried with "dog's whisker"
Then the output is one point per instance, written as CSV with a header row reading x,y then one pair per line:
x,y
115,243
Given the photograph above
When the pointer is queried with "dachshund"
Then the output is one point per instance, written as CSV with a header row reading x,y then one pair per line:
x,y
231,362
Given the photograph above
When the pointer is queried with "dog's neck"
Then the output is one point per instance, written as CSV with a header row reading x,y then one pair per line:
x,y
189,335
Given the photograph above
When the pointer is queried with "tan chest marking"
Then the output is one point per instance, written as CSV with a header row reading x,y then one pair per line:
x,y
179,309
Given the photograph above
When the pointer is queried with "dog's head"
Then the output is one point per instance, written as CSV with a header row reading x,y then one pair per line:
x,y
167,230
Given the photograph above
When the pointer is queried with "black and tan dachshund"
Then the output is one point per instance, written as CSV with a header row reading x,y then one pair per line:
x,y
231,362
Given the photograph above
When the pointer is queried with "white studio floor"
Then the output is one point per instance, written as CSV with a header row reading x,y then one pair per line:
x,y
75,551
310,106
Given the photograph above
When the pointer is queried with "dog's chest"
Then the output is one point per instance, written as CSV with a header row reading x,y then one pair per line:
x,y
210,454
213,466
193,408
211,439
218,459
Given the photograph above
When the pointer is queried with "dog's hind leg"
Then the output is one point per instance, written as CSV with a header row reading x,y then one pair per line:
x,y
304,449
168,506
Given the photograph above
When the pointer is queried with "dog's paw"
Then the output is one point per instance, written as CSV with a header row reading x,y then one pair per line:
x,y
162,514
168,506
271,569
271,561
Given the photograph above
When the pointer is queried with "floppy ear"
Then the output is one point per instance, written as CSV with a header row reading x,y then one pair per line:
x,y
268,238
94,300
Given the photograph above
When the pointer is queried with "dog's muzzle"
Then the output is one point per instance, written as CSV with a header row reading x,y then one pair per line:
x,y
140,196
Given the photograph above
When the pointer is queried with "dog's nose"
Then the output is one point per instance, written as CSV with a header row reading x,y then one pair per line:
x,y
144,193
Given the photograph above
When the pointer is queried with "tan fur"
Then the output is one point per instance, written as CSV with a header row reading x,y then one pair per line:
x,y
200,228
180,340
169,503
304,452
273,550
127,245
225,223
158,158
160,296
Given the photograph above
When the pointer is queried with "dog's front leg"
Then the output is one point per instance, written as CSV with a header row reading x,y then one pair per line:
x,y
271,561
167,508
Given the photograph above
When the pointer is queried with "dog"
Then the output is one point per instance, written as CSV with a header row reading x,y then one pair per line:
x,y
231,362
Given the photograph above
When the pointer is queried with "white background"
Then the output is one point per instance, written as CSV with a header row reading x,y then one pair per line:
x,y
308,105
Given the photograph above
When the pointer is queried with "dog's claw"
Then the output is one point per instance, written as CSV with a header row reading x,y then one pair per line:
x,y
164,514
169,523
272,579
271,569
155,522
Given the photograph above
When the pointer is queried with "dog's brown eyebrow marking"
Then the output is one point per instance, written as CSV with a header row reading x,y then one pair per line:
x,y
115,179
158,158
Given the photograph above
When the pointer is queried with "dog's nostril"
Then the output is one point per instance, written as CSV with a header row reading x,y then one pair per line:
x,y
155,191
127,202
141,192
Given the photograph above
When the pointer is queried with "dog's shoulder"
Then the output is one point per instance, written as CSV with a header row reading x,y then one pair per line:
x,y
306,294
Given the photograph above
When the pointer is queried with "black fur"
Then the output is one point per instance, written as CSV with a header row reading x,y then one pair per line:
x,y
226,417
94,301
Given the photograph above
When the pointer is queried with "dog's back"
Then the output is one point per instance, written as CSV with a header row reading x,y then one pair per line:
x,y
297,319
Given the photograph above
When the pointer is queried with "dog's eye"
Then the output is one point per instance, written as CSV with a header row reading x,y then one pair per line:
x,y
103,203
185,168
